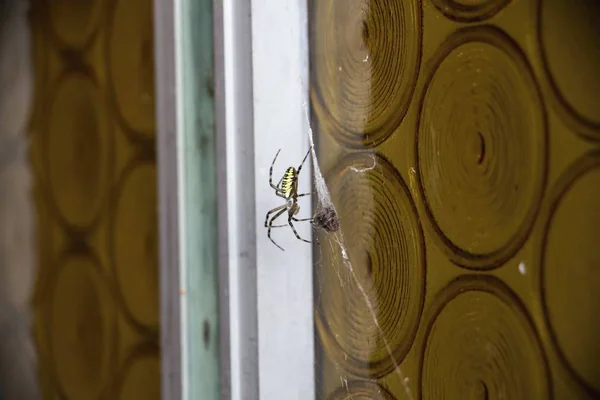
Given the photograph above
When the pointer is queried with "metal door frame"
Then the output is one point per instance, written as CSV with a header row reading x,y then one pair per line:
x,y
265,322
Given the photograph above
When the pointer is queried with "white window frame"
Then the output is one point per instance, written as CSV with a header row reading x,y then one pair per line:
x,y
265,295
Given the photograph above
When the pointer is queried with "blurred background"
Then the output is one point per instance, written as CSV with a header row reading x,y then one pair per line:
x,y
78,205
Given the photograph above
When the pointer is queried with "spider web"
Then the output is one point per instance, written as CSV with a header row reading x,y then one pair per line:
x,y
337,246
335,240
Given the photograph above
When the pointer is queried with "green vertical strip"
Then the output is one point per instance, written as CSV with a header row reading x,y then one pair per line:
x,y
200,209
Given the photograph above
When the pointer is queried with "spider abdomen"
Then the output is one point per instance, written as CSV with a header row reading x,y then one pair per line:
x,y
288,183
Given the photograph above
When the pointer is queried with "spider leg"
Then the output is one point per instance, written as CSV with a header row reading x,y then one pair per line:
x,y
305,157
271,173
304,194
277,226
290,218
301,219
270,226
271,212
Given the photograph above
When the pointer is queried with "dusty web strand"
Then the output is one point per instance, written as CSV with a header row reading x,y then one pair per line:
x,y
324,200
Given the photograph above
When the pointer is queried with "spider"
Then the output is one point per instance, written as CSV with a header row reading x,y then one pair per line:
x,y
287,188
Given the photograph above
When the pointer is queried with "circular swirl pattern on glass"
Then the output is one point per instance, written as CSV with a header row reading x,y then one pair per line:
x,y
384,242
570,44
481,148
82,326
135,244
141,377
131,57
366,56
570,270
361,390
480,343
74,22
76,150
469,10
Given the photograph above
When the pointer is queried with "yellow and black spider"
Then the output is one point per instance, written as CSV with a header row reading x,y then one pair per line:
x,y
287,188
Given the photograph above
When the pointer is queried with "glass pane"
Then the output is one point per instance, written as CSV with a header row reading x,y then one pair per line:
x,y
466,262
93,153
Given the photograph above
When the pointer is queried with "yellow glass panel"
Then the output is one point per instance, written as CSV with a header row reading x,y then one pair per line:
x,y
459,143
96,298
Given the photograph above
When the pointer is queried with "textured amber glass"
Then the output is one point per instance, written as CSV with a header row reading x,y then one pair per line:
x,y
93,152
459,140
